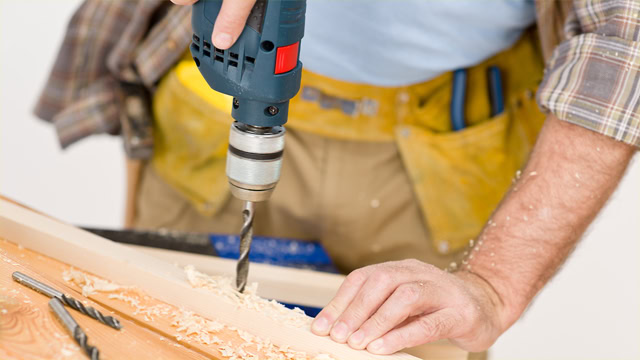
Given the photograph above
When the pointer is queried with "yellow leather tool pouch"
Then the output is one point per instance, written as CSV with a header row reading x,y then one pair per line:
x,y
460,177
191,136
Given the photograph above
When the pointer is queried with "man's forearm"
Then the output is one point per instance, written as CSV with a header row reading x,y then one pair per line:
x,y
390,306
569,177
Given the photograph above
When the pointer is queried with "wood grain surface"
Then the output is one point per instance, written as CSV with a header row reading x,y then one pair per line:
x,y
29,330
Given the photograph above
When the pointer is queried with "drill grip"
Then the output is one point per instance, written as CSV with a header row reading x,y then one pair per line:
x,y
262,69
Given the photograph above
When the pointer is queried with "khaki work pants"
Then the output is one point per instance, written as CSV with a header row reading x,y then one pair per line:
x,y
354,197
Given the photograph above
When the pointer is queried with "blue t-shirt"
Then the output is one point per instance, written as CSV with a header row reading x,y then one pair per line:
x,y
401,42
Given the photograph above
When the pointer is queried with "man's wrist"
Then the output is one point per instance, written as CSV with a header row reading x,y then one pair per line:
x,y
481,287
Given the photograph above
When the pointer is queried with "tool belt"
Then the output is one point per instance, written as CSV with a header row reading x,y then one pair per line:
x,y
458,177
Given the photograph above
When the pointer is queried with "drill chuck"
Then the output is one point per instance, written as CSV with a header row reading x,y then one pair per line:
x,y
262,72
254,160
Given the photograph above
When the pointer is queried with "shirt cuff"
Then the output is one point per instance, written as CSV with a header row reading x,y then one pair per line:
x,y
594,81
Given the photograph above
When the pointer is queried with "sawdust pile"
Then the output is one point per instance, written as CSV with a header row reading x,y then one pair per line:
x,y
193,328
223,286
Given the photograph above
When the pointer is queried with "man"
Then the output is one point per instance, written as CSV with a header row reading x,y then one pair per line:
x,y
582,151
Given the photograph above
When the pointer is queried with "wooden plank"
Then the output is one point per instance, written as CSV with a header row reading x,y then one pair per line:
x,y
28,329
294,286
172,326
159,279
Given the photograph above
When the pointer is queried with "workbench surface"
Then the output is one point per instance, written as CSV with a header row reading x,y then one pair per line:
x,y
152,329
29,330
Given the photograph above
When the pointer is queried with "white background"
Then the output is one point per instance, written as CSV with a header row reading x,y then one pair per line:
x,y
591,310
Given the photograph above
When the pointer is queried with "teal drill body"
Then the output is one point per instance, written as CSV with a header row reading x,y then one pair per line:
x,y
262,72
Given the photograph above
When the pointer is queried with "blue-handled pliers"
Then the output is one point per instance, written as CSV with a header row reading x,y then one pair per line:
x,y
459,94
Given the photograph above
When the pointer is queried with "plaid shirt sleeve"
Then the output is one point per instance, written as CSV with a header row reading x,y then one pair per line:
x,y
109,43
593,78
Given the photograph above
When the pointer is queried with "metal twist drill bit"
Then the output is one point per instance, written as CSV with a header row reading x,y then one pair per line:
x,y
67,300
91,312
246,236
74,329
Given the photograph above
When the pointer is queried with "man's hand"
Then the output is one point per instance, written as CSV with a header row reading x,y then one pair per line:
x,y
230,22
385,308
388,307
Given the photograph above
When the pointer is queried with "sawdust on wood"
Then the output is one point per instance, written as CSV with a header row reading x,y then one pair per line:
x,y
191,327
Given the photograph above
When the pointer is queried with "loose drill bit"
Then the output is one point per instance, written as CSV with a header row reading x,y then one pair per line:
x,y
246,236
74,329
67,300
91,312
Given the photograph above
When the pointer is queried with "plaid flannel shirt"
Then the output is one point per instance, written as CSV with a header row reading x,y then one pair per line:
x,y
592,77
110,45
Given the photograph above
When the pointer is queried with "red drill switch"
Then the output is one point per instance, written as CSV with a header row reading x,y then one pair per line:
x,y
287,58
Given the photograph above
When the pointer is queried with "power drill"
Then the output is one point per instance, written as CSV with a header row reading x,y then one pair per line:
x,y
262,72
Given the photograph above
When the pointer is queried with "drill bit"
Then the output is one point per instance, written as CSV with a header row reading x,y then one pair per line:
x,y
91,312
67,300
246,236
74,329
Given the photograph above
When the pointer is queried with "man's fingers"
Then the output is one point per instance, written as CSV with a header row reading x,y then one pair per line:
x,y
230,22
346,293
423,329
373,293
409,299
184,2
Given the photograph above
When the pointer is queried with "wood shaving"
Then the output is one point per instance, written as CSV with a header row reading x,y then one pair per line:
x,y
9,261
89,284
197,328
68,351
191,327
149,312
223,286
